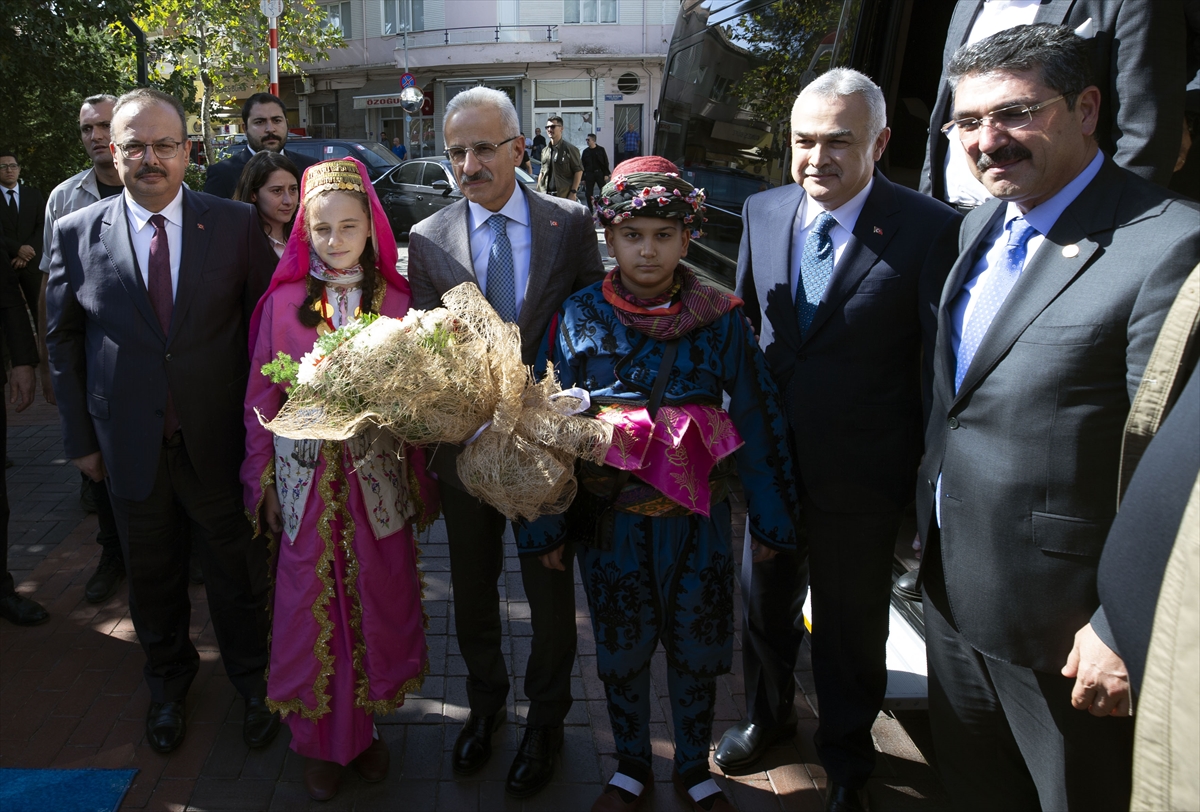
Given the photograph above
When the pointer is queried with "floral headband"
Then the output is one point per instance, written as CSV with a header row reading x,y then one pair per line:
x,y
651,194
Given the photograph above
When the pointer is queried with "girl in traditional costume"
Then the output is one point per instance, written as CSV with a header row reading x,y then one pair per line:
x,y
657,348
347,635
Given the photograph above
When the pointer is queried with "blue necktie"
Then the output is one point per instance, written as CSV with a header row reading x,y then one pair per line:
x,y
995,290
816,268
501,277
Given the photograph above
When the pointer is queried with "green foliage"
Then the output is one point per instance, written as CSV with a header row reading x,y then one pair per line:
x,y
52,57
331,341
282,370
194,177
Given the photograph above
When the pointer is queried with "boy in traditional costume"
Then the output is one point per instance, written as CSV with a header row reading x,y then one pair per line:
x,y
348,631
657,348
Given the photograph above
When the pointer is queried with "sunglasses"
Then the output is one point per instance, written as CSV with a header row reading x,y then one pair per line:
x,y
551,126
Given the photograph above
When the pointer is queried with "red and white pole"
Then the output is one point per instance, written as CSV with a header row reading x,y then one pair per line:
x,y
274,43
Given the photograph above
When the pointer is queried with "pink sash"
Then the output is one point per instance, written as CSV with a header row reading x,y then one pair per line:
x,y
675,453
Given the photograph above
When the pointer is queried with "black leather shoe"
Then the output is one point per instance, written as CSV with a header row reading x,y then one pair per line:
x,y
261,723
473,747
744,744
533,766
20,610
165,726
104,582
843,799
908,586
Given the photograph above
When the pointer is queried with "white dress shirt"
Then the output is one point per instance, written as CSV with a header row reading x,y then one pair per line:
x,y
962,187
141,232
14,193
807,213
519,235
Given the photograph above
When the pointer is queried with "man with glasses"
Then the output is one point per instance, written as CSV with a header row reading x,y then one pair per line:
x,y
1135,50
1045,327
147,302
527,253
562,168
264,119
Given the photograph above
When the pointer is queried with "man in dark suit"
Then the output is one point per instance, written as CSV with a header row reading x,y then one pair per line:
x,y
16,337
264,118
840,275
22,217
1044,329
148,299
527,252
1136,52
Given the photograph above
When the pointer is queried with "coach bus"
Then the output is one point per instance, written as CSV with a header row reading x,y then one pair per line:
x,y
733,69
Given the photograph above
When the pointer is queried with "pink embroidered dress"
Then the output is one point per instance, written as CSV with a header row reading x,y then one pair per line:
x,y
347,631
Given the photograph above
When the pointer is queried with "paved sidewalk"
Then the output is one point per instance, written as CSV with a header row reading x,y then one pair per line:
x,y
72,695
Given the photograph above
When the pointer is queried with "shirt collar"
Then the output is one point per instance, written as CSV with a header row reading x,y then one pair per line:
x,y
845,214
173,213
1043,216
517,208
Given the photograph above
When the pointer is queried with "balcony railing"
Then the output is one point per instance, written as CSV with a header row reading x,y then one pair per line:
x,y
479,34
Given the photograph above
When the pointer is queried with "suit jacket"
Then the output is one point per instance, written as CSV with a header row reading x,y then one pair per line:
x,y
27,228
222,178
16,333
1029,449
564,257
852,385
1137,62
112,365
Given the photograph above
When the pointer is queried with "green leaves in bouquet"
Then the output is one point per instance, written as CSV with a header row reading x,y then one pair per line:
x,y
331,341
282,370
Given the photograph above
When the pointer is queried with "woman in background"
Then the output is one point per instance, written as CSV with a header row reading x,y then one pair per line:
x,y
272,183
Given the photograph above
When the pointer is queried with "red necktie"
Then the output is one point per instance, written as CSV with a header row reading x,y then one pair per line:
x,y
162,300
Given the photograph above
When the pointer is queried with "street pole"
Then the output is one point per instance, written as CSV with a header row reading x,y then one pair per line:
x,y
274,43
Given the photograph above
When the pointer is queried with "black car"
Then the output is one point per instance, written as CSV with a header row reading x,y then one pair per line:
x,y
418,188
377,158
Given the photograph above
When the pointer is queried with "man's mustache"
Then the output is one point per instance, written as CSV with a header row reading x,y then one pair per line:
x,y
149,170
482,174
1011,151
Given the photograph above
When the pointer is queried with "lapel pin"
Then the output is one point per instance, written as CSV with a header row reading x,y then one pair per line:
x,y
200,226
554,223
878,230
1070,251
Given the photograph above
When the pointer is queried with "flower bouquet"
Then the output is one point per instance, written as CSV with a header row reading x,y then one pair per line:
x,y
449,375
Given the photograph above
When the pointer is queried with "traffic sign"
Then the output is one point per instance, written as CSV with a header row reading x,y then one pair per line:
x,y
271,8
406,80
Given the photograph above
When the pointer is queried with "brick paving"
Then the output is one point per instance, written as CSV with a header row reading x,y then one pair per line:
x,y
72,695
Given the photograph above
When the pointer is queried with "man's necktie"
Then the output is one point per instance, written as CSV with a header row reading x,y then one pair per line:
x,y
816,268
998,285
162,299
501,276
12,203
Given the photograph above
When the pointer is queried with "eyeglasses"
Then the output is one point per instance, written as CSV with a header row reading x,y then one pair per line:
x,y
551,126
9,166
1002,120
483,151
164,150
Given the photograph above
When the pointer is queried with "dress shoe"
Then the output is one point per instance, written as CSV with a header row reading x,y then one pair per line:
x,y
473,747
533,766
712,803
843,799
321,778
372,763
22,611
260,724
745,743
104,582
165,726
611,801
908,586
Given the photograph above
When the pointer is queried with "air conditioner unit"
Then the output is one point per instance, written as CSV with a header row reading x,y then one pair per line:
x,y
304,87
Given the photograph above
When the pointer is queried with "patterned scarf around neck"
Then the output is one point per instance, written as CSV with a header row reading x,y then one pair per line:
x,y
319,270
693,304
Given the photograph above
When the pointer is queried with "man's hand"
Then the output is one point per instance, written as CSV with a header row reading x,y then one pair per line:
x,y
92,465
18,263
553,560
21,385
26,252
47,385
1101,681
761,552
272,513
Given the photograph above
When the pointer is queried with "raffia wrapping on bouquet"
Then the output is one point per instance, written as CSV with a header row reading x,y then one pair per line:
x,y
522,463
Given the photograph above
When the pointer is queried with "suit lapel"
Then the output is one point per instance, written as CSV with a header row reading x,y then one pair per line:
x,y
872,233
456,242
545,243
114,236
1053,11
192,257
1050,271
777,235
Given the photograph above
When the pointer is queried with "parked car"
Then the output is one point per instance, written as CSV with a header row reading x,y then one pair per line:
x,y
377,158
420,187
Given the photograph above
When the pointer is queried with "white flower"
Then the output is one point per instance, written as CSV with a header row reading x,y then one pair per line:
x,y
308,366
